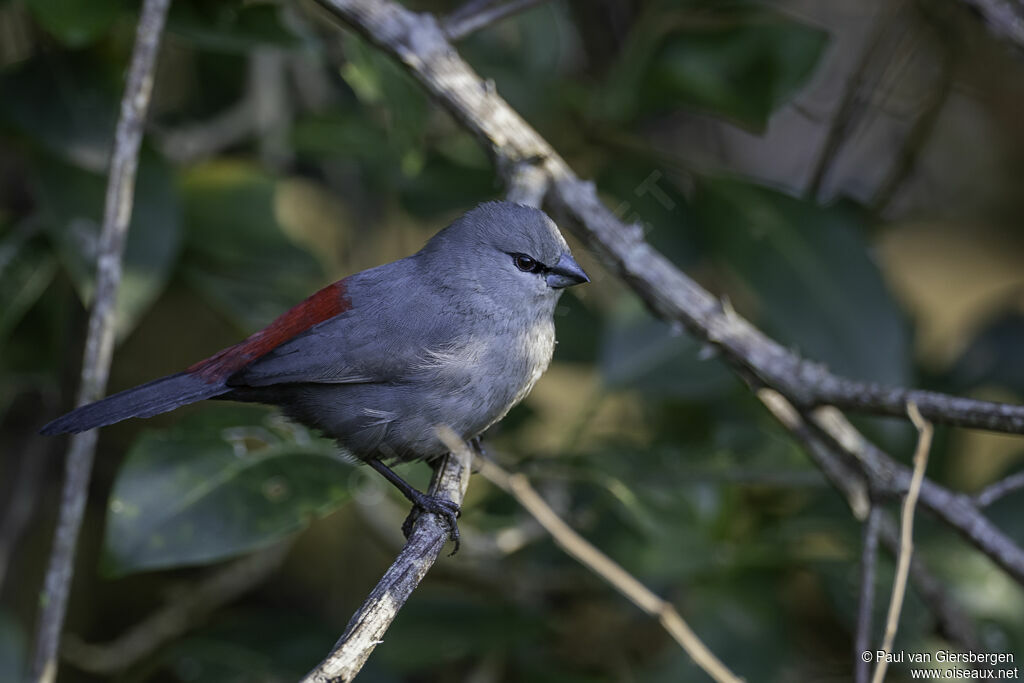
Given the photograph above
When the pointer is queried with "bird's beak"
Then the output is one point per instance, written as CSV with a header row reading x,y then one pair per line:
x,y
566,273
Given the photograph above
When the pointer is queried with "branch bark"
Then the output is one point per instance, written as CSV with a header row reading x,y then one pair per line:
x,y
366,628
100,340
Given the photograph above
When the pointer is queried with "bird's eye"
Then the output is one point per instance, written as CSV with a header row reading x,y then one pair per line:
x,y
527,264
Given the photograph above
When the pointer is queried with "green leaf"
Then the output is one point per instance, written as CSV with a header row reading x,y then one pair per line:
x,y
12,649
808,272
73,201
237,255
76,23
225,482
741,64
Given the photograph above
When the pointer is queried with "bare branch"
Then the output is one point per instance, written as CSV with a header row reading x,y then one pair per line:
x,y
100,340
866,601
994,492
368,624
474,16
608,569
899,585
528,185
1005,19
187,609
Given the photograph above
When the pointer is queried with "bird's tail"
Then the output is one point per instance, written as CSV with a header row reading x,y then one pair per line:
x,y
146,400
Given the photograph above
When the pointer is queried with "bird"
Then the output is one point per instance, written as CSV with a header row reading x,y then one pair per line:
x,y
456,334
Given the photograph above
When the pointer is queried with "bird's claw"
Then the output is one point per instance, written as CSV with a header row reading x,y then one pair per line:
x,y
446,510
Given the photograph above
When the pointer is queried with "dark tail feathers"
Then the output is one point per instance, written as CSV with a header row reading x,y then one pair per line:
x,y
146,400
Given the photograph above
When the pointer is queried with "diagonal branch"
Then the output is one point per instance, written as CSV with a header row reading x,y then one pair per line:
x,y
368,624
475,16
1005,18
99,343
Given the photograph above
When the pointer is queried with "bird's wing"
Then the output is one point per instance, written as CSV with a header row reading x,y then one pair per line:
x,y
371,327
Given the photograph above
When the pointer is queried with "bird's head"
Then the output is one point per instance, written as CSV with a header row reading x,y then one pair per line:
x,y
512,253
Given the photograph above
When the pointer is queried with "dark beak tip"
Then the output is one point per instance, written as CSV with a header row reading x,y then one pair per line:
x,y
566,273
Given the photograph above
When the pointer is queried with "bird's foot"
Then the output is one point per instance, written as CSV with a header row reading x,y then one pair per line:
x,y
445,510
423,502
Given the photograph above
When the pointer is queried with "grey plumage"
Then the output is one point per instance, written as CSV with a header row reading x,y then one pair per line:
x,y
455,334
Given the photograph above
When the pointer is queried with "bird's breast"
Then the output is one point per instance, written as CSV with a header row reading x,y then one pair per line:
x,y
486,374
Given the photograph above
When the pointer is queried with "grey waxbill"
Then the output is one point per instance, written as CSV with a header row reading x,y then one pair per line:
x,y
456,334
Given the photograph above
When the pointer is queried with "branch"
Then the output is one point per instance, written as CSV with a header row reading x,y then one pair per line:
x,y
994,492
1003,17
577,547
476,15
899,585
866,600
368,624
99,343
179,614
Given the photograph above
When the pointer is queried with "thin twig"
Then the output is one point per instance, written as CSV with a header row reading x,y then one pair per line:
x,y
866,600
368,624
899,585
100,340
608,569
994,492
183,612
463,23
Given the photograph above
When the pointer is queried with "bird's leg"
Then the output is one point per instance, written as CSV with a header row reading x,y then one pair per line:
x,y
422,502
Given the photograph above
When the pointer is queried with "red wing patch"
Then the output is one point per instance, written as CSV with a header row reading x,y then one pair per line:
x,y
330,301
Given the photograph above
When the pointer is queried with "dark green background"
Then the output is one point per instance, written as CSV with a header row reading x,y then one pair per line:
x,y
652,450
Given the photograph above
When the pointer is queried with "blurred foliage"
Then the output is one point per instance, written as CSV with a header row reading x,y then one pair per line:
x,y
332,160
